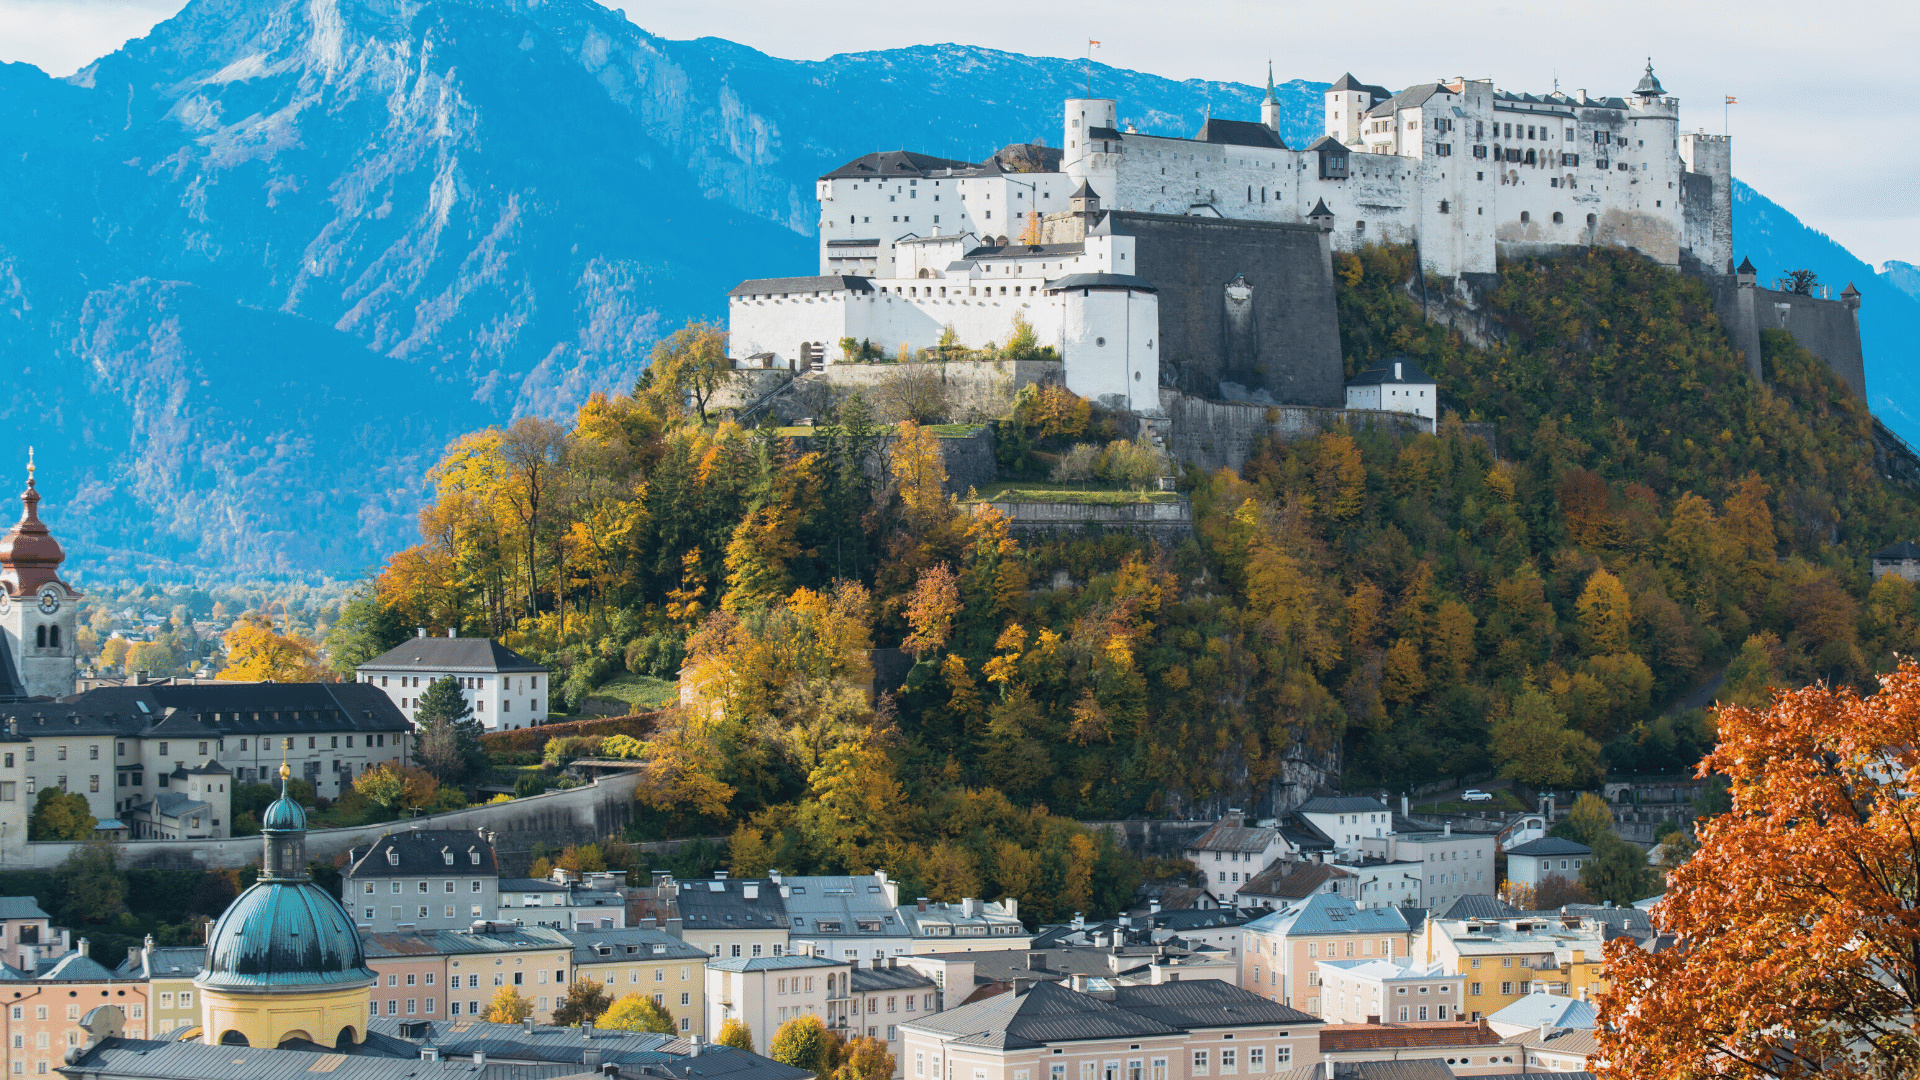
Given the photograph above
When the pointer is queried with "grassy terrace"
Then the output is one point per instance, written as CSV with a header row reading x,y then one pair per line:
x,y
944,431
1042,491
639,691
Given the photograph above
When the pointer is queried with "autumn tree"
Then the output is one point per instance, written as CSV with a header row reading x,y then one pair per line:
x,y
256,653
58,815
508,1007
920,472
748,853
804,1044
531,452
1606,618
1532,744
930,611
586,999
395,788
1589,819
1798,941
446,741
864,1058
688,367
637,1012
736,1033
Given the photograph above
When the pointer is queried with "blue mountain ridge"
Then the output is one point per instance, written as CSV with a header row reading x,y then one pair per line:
x,y
260,266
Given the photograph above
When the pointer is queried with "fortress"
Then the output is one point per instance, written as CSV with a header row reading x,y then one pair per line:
x,y
1202,265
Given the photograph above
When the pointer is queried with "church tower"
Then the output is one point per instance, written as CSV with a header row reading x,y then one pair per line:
x,y
1270,107
284,962
38,610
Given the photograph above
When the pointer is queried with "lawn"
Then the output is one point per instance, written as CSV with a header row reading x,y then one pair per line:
x,y
638,691
1042,491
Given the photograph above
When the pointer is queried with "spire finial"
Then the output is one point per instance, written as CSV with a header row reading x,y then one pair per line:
x,y
29,466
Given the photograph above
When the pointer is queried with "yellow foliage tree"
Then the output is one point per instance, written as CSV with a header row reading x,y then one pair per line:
x,y
255,653
920,472
1606,616
508,1007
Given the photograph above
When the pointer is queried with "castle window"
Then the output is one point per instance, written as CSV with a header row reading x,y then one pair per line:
x,y
1523,217
40,637
1558,217
1443,206
53,635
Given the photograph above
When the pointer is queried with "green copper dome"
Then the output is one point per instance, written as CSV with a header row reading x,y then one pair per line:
x,y
284,935
284,815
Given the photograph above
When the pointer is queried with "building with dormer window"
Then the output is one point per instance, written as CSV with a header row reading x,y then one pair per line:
x,y
421,879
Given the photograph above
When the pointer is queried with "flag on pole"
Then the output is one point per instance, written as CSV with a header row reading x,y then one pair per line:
x,y
1091,43
1731,100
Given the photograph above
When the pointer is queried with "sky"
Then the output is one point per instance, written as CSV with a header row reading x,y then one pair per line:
x,y
1824,125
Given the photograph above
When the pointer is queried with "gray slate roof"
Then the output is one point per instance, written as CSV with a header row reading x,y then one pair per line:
x,y
1342,804
1415,1069
1047,1013
1239,133
1348,82
1550,845
825,283
1380,373
465,654
845,901
21,907
423,852
210,711
1905,549
1411,98
869,980
170,962
1100,281
1478,907
901,163
660,1055
772,963
1205,1003
143,1059
1536,1009
1323,913
629,944
722,905
1232,834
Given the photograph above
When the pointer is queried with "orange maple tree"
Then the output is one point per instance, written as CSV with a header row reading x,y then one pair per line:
x,y
1797,924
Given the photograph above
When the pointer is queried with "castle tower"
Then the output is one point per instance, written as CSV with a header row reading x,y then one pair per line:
x,y
284,961
1269,106
38,610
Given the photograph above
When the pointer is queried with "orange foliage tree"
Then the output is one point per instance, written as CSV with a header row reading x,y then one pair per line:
x,y
1798,946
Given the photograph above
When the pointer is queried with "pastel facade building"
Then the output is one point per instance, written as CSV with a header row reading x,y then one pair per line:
x,y
1446,864
1284,949
1232,853
1397,991
169,972
47,1007
451,974
421,879
1500,961
768,991
1535,861
652,963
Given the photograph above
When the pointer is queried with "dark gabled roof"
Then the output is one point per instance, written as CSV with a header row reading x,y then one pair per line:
x,y
1380,373
213,710
1018,250
828,283
638,1053
450,654
1104,133
1411,98
1233,834
422,852
74,967
1550,845
1348,82
149,1059
1905,549
1414,1069
1084,191
874,242
1047,1013
704,907
1055,964
1100,281
1205,1003
1304,835
1239,133
1341,804
1283,880
1328,142
896,163
789,962
1198,918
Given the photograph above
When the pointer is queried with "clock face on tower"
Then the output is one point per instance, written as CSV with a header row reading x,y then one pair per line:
x,y
49,600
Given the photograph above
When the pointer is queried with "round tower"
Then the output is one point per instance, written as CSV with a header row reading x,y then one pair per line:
x,y
284,962
38,610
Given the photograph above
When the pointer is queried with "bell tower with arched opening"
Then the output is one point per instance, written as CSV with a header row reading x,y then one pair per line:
x,y
38,610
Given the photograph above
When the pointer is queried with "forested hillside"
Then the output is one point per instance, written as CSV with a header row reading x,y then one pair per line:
x,y
1412,606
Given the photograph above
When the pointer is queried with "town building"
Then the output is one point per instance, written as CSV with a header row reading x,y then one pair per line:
x,y
169,973
1902,560
283,963
1281,961
421,879
565,901
1501,961
1554,1010
449,974
46,1006
1233,853
122,747
27,934
1282,883
1396,991
1347,820
507,691
1558,1050
969,924
198,806
885,995
1446,864
730,918
970,976
38,608
767,991
1535,861
1396,385
1460,1048
652,963
1091,1029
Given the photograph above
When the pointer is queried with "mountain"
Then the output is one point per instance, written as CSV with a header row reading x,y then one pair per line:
x,y
257,268
1901,275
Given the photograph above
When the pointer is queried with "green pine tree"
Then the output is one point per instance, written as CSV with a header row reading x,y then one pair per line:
x,y
447,742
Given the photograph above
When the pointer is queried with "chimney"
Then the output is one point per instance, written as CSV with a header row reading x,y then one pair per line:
x,y
693,1043
1546,1030
1446,829
1153,907
1011,906
419,631
719,875
921,904
140,678
586,1029
479,1059
450,631
970,907
429,1052
893,962
1396,371
1080,983
1020,985
590,1059
1372,1018
1036,961
528,1024
83,946
1403,805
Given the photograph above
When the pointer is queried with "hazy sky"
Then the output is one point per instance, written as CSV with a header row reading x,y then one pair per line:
x,y
1825,125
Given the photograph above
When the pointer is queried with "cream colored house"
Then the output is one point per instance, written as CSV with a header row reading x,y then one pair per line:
x,y
1284,949
767,991
1501,961
1096,1031
169,975
652,963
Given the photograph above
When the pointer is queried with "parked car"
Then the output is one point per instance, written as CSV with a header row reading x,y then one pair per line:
x,y
1476,795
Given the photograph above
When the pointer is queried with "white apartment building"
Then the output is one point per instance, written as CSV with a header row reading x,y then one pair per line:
x,y
507,691
1396,991
768,991
1450,864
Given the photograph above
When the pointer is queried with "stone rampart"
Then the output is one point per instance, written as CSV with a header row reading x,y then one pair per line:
x,y
1221,434
1826,328
1167,521
579,815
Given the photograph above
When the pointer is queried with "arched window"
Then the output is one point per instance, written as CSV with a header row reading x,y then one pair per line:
x,y
1524,217
1558,217
40,637
346,1039
1591,219
234,1038
53,637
